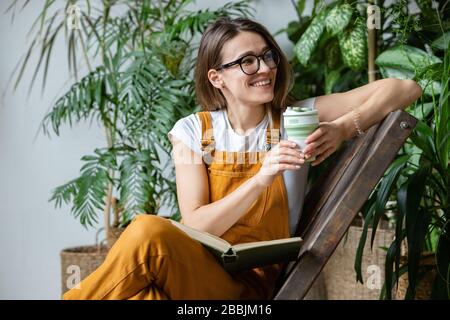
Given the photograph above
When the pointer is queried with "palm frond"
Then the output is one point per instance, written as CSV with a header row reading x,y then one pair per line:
x,y
87,192
84,99
139,183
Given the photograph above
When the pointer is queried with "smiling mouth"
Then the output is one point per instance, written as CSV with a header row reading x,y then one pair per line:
x,y
263,83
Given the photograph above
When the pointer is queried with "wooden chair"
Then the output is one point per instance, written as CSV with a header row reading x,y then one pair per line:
x,y
337,196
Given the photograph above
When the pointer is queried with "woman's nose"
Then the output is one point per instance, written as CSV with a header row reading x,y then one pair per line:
x,y
263,66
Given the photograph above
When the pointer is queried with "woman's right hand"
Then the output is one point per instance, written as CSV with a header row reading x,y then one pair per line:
x,y
286,155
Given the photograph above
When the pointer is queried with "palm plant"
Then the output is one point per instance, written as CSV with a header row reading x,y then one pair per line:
x,y
141,86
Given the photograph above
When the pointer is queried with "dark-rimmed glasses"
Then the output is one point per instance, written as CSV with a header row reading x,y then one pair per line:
x,y
250,63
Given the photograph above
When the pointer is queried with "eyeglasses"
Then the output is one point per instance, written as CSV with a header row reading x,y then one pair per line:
x,y
250,63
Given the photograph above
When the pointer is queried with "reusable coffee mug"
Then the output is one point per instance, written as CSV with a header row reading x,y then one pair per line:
x,y
299,123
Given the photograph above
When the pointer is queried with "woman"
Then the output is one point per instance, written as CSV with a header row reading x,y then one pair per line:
x,y
228,183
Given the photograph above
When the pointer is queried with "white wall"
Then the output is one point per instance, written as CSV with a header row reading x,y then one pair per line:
x,y
32,232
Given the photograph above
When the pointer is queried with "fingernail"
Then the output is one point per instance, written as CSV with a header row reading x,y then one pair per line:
x,y
307,156
298,167
293,144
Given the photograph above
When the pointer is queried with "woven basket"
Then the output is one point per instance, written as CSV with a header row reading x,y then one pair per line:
x,y
339,273
424,285
113,234
79,262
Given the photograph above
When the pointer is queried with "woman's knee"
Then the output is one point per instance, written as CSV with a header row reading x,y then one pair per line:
x,y
148,227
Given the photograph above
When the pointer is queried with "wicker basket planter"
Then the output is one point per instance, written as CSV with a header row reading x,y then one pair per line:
x,y
339,274
78,262
425,283
113,234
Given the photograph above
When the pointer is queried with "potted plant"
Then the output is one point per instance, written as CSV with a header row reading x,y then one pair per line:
x,y
418,180
332,53
422,187
330,56
142,84
330,48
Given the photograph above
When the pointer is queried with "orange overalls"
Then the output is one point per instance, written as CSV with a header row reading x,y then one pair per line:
x,y
155,260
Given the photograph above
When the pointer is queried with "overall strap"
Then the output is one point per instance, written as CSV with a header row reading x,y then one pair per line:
x,y
273,135
207,140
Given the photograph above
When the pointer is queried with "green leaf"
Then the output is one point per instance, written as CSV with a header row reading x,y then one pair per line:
x,y
421,110
398,73
308,42
400,234
442,116
362,240
392,257
300,7
429,87
353,44
330,80
384,191
442,42
333,55
418,226
87,192
295,29
138,183
408,198
338,18
406,57
441,287
422,136
388,270
75,106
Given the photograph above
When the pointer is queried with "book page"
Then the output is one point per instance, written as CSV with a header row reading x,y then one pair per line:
x,y
204,237
249,245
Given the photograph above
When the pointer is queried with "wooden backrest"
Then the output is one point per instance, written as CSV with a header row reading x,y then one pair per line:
x,y
338,195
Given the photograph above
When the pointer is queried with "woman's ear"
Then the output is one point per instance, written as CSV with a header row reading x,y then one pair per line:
x,y
215,78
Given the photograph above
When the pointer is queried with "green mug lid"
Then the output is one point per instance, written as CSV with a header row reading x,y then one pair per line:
x,y
297,110
301,109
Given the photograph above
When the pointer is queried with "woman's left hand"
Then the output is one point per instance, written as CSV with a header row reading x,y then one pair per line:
x,y
325,140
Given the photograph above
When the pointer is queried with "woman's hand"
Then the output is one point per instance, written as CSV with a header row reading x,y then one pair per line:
x,y
286,155
323,141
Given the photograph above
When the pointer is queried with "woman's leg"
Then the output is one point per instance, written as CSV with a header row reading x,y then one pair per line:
x,y
150,293
156,260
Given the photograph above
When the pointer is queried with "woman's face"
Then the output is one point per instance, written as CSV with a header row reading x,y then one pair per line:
x,y
238,87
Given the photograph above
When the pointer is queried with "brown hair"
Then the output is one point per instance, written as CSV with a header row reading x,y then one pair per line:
x,y
209,57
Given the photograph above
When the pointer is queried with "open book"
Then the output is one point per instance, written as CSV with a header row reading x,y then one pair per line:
x,y
245,255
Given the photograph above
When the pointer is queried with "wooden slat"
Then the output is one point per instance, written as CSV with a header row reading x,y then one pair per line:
x,y
320,192
334,201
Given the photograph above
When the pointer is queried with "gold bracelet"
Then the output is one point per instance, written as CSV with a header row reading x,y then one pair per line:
x,y
356,120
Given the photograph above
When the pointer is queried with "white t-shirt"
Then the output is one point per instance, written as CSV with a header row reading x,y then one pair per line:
x,y
188,130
